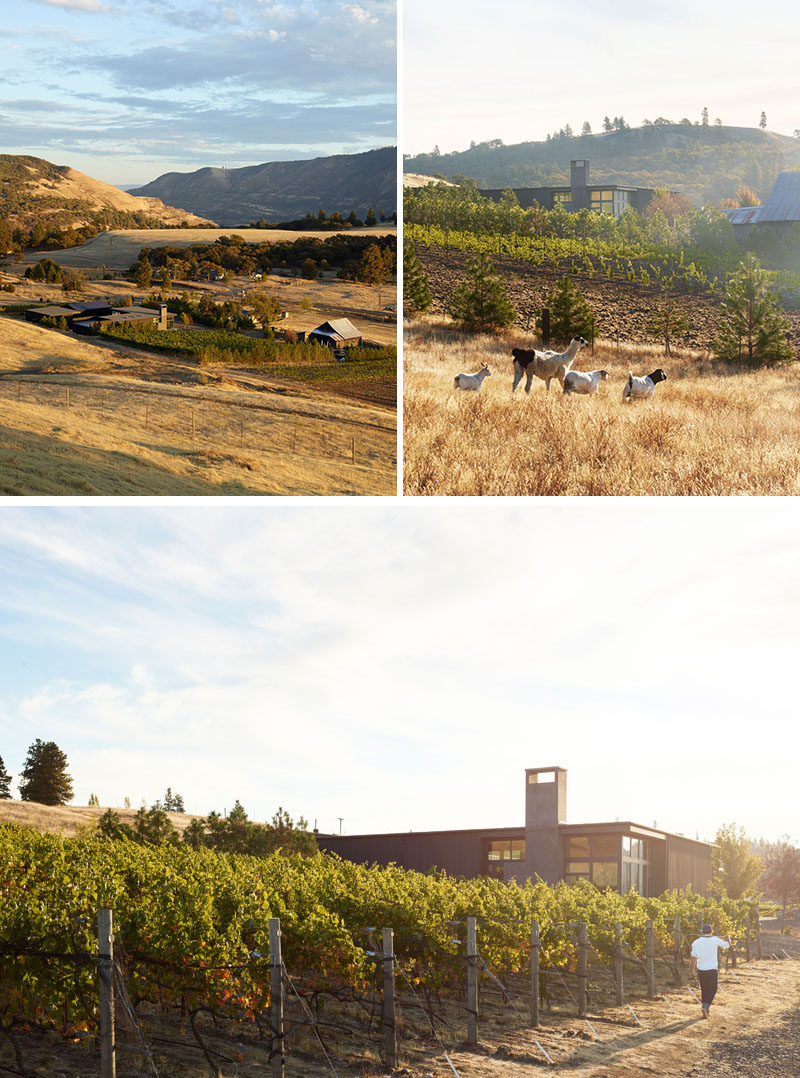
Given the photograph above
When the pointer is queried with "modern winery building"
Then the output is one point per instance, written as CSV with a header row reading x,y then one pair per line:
x,y
621,855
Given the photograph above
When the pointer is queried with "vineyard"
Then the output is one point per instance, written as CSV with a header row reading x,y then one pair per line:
x,y
193,935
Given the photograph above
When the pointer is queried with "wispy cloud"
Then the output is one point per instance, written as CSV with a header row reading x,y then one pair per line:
x,y
91,7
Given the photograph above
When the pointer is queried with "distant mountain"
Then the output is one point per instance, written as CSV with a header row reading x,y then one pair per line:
x,y
704,163
284,190
33,189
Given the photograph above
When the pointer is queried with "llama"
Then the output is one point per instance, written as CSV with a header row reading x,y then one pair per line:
x,y
545,365
471,381
584,381
641,389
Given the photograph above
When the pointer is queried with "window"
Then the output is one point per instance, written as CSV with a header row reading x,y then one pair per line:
x,y
560,197
604,874
577,847
635,865
505,849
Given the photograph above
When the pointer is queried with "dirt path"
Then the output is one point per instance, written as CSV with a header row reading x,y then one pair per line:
x,y
754,1032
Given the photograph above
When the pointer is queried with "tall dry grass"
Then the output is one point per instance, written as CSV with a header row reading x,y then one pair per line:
x,y
708,430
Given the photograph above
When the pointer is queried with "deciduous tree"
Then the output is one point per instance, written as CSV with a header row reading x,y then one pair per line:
x,y
735,870
781,879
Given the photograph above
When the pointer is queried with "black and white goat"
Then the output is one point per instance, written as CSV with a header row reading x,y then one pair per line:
x,y
471,381
545,365
584,381
641,389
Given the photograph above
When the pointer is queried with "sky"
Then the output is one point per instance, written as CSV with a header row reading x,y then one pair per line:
x,y
400,666
520,70
126,90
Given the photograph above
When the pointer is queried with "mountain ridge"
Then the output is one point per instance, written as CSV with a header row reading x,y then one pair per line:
x,y
284,190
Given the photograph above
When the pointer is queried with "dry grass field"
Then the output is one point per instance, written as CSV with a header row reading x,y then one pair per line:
x,y
85,418
118,249
708,430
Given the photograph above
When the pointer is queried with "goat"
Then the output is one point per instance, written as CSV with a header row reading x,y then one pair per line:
x,y
584,381
545,365
471,381
641,389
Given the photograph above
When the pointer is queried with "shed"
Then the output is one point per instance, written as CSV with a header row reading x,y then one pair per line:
x,y
337,333
781,210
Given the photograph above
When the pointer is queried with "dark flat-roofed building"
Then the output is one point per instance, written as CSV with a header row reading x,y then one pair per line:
x,y
609,198
620,855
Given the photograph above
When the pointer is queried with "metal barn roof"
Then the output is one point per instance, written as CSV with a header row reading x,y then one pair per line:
x,y
782,205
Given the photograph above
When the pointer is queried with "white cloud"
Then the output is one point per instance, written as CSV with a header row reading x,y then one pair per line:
x,y
92,7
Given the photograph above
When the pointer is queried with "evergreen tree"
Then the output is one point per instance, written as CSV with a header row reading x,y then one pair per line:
x,y
570,314
376,267
480,302
370,219
5,782
416,286
44,777
753,327
762,123
668,320
143,273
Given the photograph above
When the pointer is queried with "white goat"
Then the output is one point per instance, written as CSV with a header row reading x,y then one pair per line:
x,y
584,381
471,381
545,365
641,389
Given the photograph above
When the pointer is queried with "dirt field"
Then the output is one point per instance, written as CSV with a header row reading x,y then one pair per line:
x,y
708,430
118,250
81,418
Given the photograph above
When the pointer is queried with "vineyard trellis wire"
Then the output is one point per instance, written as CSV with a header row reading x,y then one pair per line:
x,y
114,971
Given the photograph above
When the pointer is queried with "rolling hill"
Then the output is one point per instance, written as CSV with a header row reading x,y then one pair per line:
x,y
704,163
32,189
284,190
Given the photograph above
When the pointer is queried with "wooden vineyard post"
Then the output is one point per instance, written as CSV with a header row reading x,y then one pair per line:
x,y
582,955
105,971
535,944
618,964
389,1026
276,998
648,965
676,951
472,983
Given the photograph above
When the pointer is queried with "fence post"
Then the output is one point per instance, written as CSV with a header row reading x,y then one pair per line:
x,y
648,969
278,1048
676,951
618,963
535,974
472,982
545,325
105,971
389,1026
582,950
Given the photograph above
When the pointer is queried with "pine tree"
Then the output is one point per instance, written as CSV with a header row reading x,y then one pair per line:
x,y
480,301
753,327
5,782
570,314
44,777
416,286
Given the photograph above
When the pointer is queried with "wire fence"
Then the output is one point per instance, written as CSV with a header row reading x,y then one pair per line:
x,y
150,1016
175,418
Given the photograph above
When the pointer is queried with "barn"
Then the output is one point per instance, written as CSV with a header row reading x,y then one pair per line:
x,y
780,211
338,333
622,855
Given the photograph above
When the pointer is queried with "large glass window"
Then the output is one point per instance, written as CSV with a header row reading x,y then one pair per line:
x,y
592,857
635,865
604,873
505,849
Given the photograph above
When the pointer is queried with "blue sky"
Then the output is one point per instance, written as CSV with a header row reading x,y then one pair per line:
x,y
126,90
518,71
400,667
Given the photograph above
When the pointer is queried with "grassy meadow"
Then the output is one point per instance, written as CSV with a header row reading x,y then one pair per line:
x,y
708,430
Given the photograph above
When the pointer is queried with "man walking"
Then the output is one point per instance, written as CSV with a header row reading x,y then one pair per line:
x,y
705,961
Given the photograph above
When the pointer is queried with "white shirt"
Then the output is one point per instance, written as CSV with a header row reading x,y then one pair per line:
x,y
704,949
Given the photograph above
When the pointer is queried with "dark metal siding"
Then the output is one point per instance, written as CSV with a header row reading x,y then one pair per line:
x,y
460,853
688,864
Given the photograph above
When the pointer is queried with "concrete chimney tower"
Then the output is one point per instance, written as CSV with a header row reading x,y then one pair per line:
x,y
545,809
